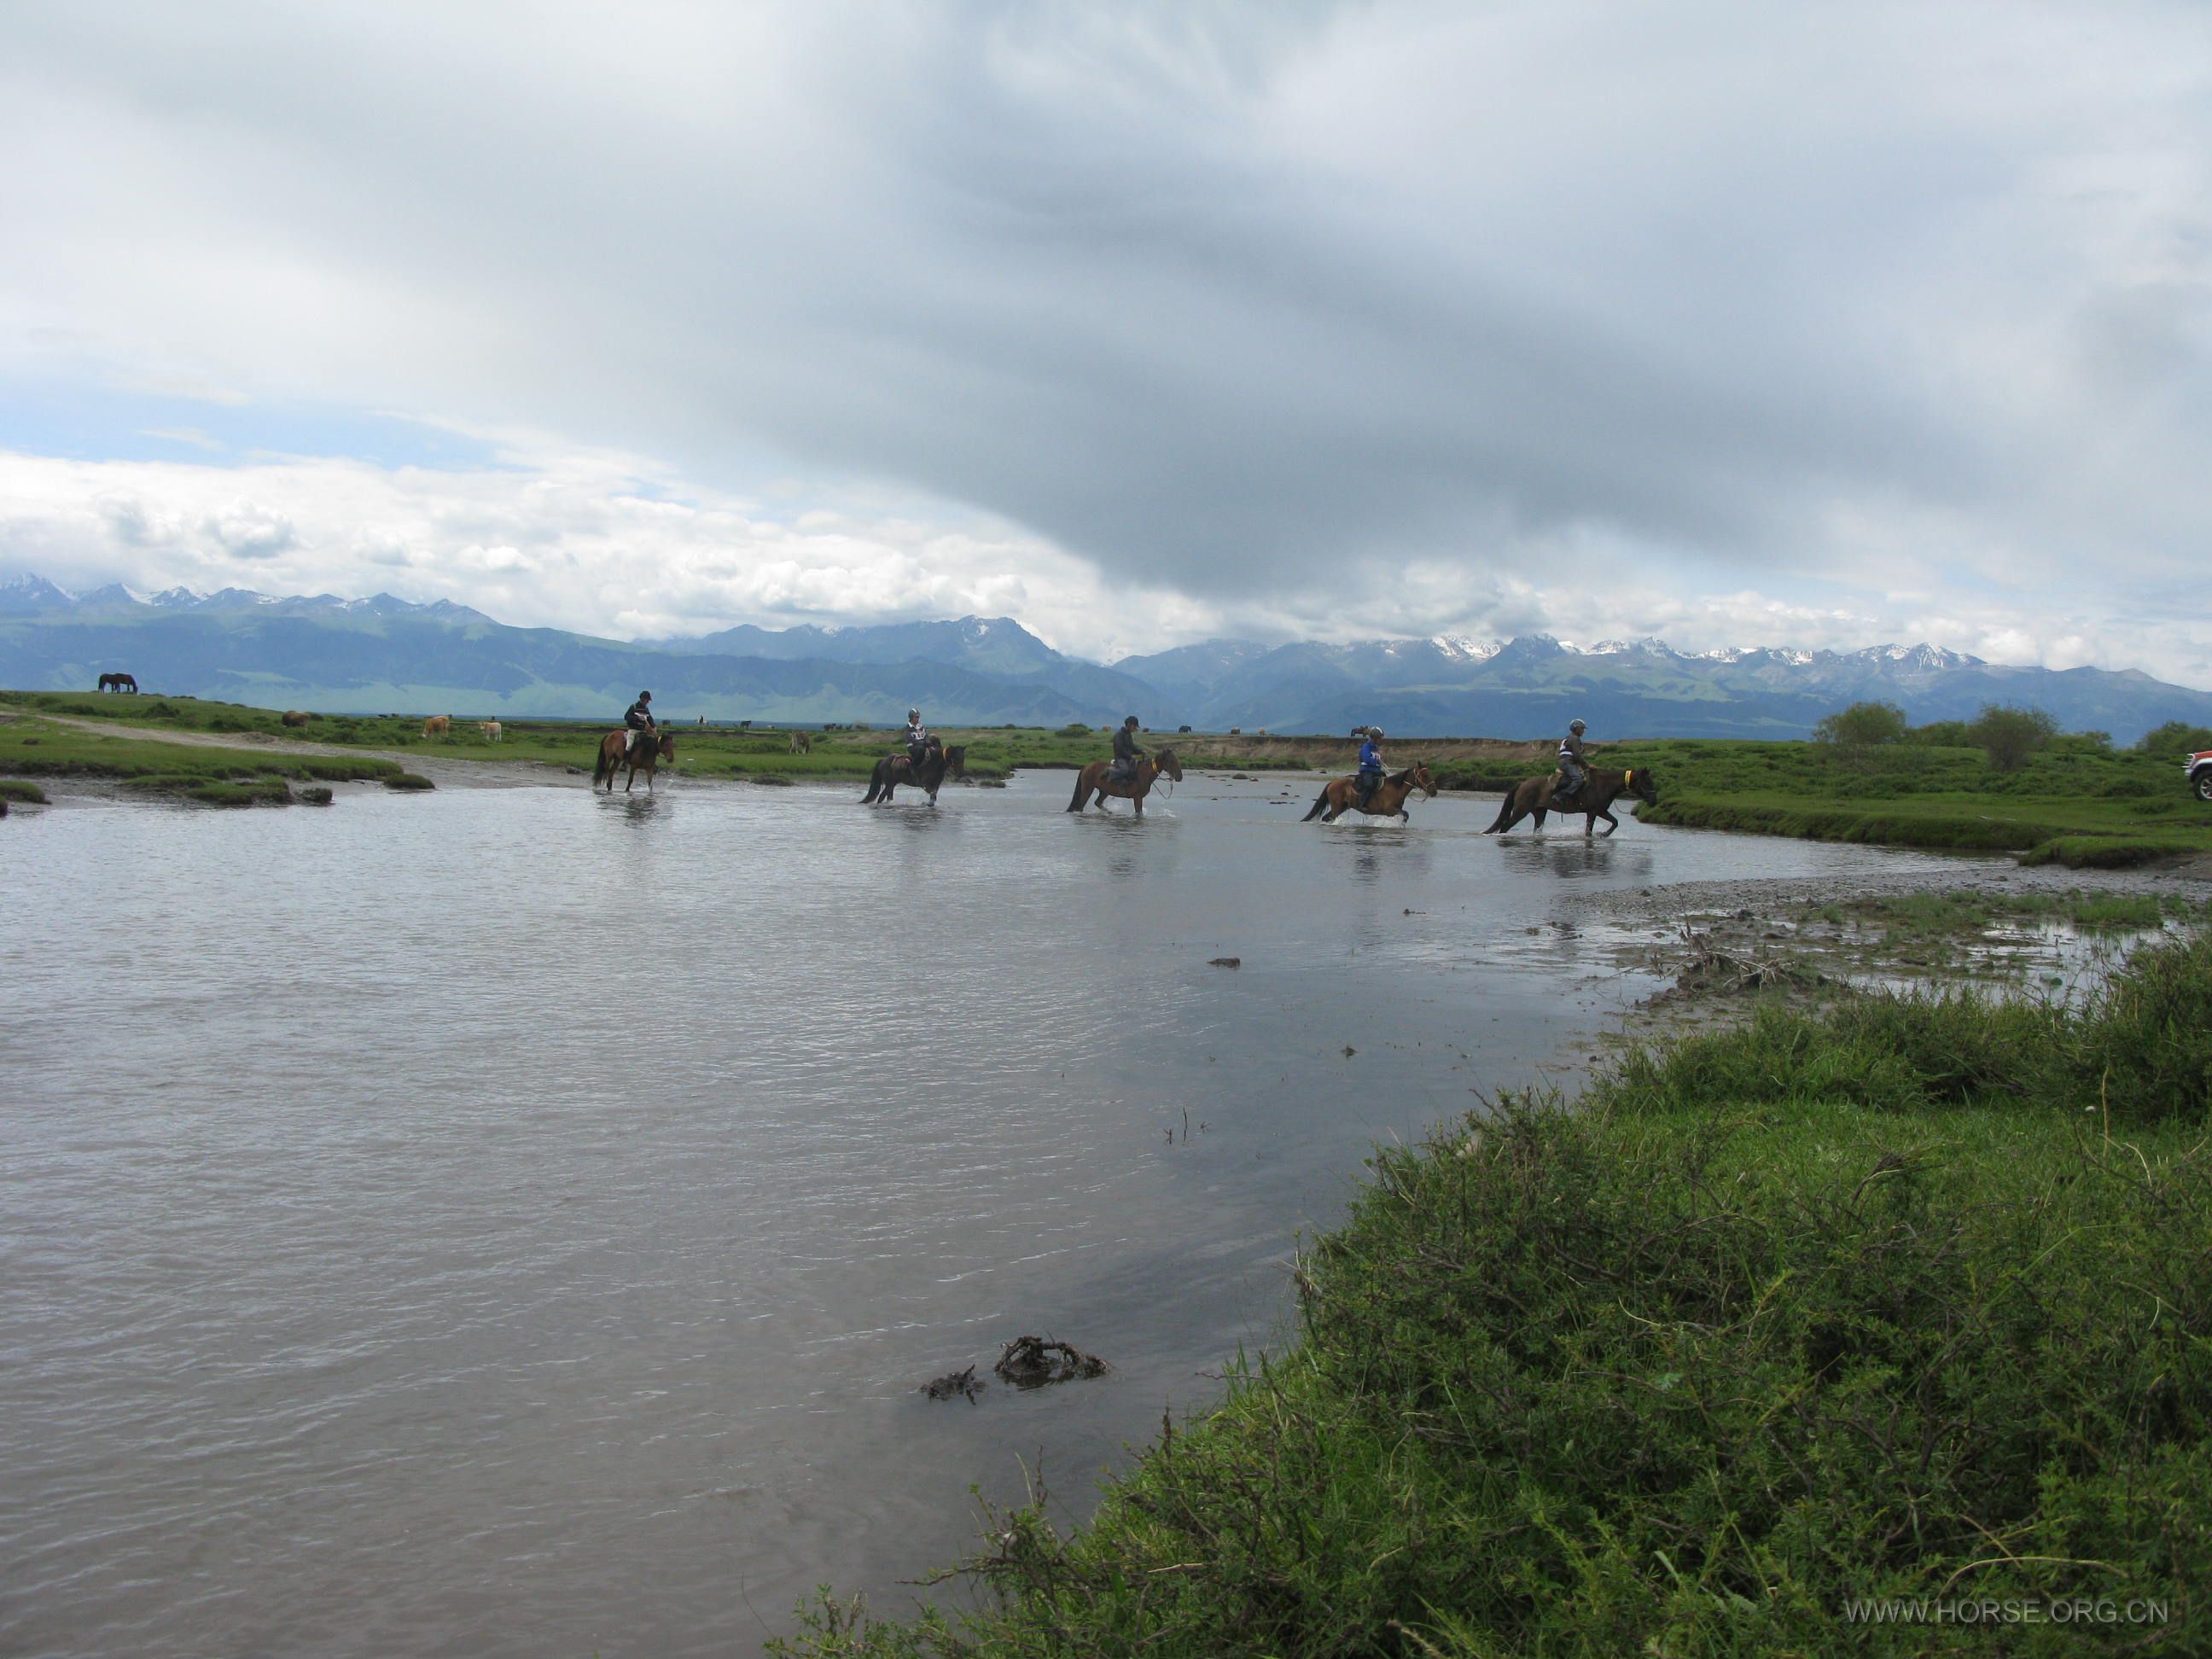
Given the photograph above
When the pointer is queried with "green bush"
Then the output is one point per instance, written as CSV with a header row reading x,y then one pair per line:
x,y
2175,739
1863,724
23,790
2009,735
408,781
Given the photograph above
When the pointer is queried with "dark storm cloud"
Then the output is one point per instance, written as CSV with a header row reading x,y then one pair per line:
x,y
1228,299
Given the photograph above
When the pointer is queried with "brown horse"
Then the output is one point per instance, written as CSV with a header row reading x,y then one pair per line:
x,y
614,752
1602,787
438,725
1341,795
1098,779
893,770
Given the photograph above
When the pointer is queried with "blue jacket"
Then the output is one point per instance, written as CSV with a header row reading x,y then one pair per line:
x,y
1370,757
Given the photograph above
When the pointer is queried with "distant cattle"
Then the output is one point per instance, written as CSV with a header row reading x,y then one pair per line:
x,y
1236,731
297,717
1183,728
801,743
119,683
438,725
491,731
744,725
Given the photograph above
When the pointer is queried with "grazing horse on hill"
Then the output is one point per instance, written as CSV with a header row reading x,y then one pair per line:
x,y
1341,795
893,770
438,725
615,751
1602,787
801,743
119,683
296,717
1098,778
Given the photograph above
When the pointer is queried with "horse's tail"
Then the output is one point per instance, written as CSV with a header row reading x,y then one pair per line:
x,y
1504,811
1320,805
602,770
875,785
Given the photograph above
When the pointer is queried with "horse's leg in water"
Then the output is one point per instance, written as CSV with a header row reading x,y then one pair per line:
x,y
1612,823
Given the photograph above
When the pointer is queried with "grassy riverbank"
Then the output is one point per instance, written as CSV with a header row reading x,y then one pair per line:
x,y
201,774
1902,1300
2075,802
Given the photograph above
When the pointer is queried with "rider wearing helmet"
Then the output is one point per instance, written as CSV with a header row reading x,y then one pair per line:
x,y
638,717
1126,748
1370,765
916,739
1571,760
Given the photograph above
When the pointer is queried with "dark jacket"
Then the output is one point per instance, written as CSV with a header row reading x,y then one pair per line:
x,y
1571,747
638,717
1126,748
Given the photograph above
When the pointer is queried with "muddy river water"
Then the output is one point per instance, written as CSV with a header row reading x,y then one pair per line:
x,y
508,1222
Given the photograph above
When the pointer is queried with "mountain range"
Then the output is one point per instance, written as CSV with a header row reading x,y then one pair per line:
x,y
381,653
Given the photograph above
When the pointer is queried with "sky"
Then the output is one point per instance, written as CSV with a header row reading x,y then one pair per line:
x,y
1816,325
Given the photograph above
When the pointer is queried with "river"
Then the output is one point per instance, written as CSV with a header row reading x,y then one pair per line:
x,y
506,1221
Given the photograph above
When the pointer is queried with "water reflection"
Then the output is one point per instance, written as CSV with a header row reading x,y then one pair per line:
x,y
1577,856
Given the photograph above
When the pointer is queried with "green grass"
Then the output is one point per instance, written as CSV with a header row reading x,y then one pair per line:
x,y
203,791
2073,804
22,790
37,748
1908,1299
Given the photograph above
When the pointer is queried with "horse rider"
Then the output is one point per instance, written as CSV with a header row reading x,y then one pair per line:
x,y
1370,766
916,739
638,717
1126,750
1570,760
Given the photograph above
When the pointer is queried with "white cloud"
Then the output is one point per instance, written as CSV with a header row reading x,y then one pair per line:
x,y
1146,320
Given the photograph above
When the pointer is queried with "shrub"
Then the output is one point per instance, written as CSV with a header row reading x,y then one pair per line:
x,y
1862,724
408,781
21,789
2174,739
2008,734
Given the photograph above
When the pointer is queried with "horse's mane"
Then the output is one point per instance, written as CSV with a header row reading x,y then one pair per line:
x,y
1406,775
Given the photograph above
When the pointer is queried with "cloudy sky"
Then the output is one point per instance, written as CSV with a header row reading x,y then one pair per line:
x,y
1811,324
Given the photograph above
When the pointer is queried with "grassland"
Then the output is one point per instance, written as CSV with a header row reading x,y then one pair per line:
x,y
1903,1299
2077,803
199,774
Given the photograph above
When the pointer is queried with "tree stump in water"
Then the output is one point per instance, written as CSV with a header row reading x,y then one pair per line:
x,y
1030,1362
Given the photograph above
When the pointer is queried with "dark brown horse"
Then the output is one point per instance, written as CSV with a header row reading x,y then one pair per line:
x,y
119,683
893,770
1341,795
614,753
1098,779
1602,787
